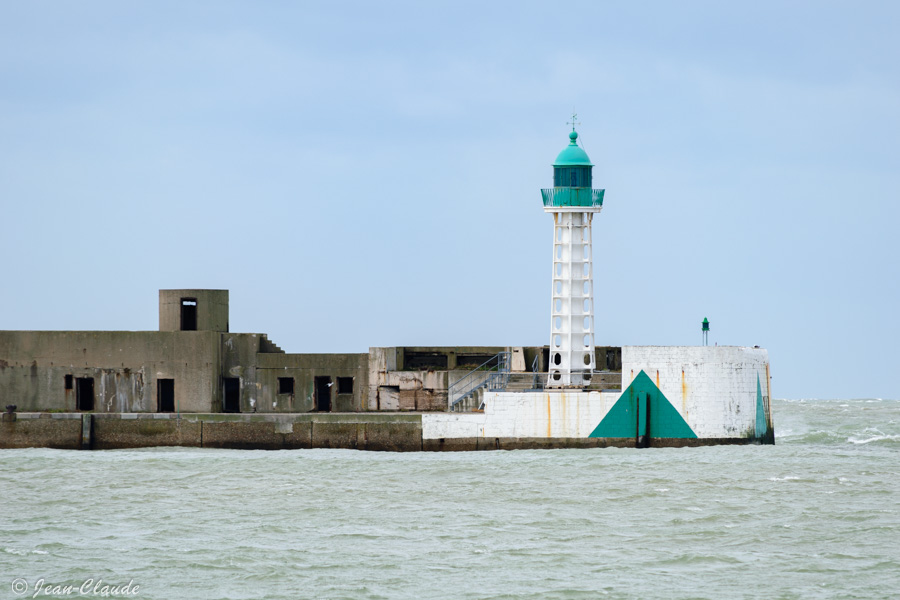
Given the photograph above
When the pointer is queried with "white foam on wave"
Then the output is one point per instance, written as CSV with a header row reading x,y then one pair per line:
x,y
785,478
23,552
874,438
871,434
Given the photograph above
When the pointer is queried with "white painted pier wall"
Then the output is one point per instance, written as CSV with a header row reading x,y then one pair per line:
x,y
714,389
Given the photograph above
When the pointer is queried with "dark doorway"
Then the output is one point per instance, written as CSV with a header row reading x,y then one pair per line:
x,y
232,402
165,395
189,314
323,394
84,393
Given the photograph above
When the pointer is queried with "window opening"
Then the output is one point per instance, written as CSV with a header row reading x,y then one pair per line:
x,y
285,385
345,385
189,314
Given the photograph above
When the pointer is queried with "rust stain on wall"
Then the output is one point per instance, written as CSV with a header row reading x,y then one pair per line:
x,y
548,415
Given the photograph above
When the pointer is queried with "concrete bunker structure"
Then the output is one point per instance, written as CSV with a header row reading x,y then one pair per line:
x,y
193,364
195,383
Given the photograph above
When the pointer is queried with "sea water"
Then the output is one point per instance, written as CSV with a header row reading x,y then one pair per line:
x,y
815,516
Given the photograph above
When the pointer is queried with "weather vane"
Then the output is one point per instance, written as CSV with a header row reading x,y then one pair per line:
x,y
573,123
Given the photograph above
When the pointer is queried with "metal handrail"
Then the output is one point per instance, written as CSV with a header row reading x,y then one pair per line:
x,y
535,365
479,377
595,383
569,196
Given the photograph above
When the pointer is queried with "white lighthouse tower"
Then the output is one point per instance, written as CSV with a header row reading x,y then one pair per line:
x,y
572,202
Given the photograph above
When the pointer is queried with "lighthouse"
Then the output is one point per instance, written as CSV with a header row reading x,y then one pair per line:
x,y
572,201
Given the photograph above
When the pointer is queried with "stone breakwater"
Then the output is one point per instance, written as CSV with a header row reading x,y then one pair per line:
x,y
362,431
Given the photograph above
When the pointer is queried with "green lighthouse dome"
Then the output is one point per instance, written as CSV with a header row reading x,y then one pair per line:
x,y
573,155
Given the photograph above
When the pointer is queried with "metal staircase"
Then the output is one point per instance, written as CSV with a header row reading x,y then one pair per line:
x,y
493,374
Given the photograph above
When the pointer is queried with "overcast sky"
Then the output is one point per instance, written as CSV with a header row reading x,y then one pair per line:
x,y
368,174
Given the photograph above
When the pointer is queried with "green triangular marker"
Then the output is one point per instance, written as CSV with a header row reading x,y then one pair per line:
x,y
622,419
761,427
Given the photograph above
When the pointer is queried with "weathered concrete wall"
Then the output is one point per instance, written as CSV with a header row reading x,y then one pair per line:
x,y
304,368
395,385
714,388
212,309
381,361
125,366
416,390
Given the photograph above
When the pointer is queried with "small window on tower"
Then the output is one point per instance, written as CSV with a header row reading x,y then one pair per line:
x,y
345,385
189,314
69,382
285,385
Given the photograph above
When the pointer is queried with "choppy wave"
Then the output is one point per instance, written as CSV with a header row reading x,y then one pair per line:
x,y
861,421
877,436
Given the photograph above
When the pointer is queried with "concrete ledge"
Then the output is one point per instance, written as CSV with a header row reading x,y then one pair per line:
x,y
41,433
555,443
110,433
393,437
327,434
299,437
363,431
484,443
242,436
699,442
20,416
451,444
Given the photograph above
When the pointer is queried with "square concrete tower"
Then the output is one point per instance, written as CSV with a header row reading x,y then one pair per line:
x,y
193,310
